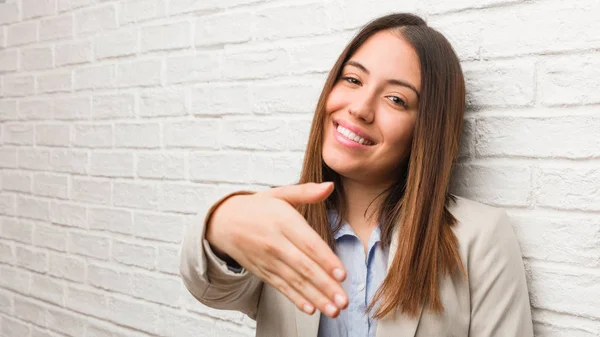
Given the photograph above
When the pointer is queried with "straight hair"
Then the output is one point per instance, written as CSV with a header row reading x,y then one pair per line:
x,y
417,203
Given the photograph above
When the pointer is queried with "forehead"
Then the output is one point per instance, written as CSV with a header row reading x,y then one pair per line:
x,y
388,56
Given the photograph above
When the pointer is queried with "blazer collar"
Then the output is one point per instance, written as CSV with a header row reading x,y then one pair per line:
x,y
392,325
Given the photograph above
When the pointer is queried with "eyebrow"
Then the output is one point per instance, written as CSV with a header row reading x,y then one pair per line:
x,y
390,81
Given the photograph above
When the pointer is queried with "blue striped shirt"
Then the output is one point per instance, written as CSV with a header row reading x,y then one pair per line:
x,y
364,276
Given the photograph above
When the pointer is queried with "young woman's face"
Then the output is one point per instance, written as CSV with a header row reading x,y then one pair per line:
x,y
376,99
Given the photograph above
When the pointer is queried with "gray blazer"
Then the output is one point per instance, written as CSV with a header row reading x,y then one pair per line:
x,y
492,301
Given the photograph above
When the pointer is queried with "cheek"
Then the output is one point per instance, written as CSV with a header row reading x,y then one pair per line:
x,y
336,100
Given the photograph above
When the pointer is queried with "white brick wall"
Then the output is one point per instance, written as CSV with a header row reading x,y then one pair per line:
x,y
122,119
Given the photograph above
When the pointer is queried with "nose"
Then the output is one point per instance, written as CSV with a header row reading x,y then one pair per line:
x,y
363,107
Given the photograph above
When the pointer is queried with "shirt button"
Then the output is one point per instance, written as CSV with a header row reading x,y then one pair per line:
x,y
361,287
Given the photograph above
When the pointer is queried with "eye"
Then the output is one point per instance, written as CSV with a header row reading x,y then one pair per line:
x,y
351,80
398,101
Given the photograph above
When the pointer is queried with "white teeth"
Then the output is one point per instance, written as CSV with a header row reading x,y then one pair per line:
x,y
352,136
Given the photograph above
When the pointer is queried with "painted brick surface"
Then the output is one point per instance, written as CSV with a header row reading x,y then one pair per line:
x,y
122,120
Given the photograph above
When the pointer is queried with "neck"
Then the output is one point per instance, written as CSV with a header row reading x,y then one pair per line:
x,y
358,197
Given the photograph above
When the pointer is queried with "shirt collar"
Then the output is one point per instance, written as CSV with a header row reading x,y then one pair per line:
x,y
345,229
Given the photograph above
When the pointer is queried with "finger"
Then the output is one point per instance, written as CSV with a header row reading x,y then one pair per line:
x,y
308,193
288,291
306,289
310,243
317,276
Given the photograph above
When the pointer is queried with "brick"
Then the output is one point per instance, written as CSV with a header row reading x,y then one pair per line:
x,y
557,286
32,259
18,133
9,13
168,259
113,106
569,80
66,214
536,136
9,61
280,169
136,195
186,6
61,81
8,109
500,84
200,67
285,97
197,134
109,278
92,191
89,245
256,64
34,109
223,28
7,205
15,279
109,330
500,185
166,37
50,236
47,289
34,159
53,134
7,256
139,73
51,185
111,220
75,52
18,85
111,164
216,100
95,77
116,43
138,135
508,32
93,135
30,311
95,20
463,31
67,267
158,289
177,323
572,241
163,102
66,322
20,230
220,167
254,134
297,134
132,254
65,5
21,33
291,21
12,327
33,208
72,108
60,27
68,161
6,302
135,314
161,165
141,10
313,56
160,227
37,8
572,188
89,302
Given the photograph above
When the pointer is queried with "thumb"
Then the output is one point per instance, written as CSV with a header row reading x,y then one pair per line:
x,y
308,193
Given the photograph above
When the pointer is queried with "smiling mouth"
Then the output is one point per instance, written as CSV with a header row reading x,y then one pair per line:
x,y
351,135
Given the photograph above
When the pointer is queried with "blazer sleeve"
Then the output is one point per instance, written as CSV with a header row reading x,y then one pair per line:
x,y
499,297
209,279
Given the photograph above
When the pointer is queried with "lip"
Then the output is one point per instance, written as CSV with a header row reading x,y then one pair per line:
x,y
354,129
347,142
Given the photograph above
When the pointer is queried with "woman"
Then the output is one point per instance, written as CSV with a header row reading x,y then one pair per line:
x,y
410,259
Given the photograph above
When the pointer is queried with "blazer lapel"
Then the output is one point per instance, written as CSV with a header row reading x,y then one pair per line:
x,y
307,325
397,325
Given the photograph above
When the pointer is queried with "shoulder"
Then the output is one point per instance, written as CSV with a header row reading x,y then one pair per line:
x,y
481,228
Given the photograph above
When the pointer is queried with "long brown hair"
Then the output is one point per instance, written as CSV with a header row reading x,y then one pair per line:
x,y
418,201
